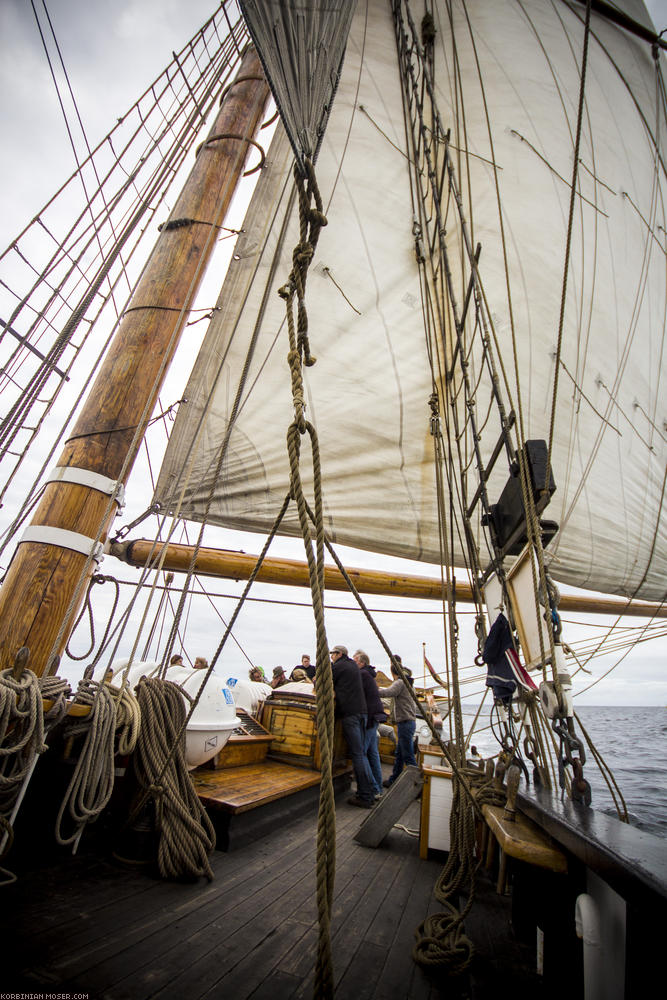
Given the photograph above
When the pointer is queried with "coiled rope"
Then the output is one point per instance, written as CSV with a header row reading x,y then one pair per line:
x,y
23,728
186,835
441,940
92,781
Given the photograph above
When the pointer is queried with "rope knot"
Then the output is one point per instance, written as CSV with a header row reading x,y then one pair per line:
x,y
286,291
303,252
318,218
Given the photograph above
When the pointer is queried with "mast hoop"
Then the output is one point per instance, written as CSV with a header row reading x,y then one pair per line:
x,y
43,534
241,138
85,477
239,79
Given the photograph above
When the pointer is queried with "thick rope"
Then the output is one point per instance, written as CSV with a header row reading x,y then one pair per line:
x,y
311,221
23,729
92,780
186,834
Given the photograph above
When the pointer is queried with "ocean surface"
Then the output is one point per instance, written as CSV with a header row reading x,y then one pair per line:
x,y
633,742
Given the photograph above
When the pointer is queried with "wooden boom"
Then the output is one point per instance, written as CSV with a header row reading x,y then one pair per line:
x,y
294,573
44,578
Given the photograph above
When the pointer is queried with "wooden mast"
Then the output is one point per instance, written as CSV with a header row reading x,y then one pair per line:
x,y
43,576
294,573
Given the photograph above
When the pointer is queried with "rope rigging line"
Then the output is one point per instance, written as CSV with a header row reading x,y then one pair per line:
x,y
467,431
181,123
311,222
180,730
568,242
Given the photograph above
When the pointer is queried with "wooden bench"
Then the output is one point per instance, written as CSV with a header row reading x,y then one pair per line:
x,y
518,837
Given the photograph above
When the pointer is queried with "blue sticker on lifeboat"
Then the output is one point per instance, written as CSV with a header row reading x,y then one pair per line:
x,y
228,696
231,681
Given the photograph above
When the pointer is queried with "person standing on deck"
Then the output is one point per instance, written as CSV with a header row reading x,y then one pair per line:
x,y
405,715
376,715
351,710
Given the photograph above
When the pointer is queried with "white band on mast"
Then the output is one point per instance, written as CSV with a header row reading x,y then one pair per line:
x,y
84,477
73,540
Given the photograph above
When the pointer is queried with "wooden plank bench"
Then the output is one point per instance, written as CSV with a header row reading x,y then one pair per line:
x,y
519,838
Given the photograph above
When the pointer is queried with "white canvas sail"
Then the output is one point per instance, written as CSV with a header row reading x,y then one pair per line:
x,y
368,393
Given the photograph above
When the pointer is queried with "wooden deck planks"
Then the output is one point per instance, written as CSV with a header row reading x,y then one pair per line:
x,y
239,789
250,933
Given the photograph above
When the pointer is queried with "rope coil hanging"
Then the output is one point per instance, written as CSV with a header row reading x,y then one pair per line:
x,y
186,835
23,730
92,781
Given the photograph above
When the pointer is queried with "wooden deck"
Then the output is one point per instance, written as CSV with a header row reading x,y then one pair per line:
x,y
239,789
88,926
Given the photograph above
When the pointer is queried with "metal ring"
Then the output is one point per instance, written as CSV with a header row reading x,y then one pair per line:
x,y
241,138
239,79
270,121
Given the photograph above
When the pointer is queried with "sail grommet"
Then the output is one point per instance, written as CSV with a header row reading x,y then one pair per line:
x,y
42,534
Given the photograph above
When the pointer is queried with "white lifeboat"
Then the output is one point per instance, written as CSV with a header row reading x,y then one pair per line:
x,y
214,718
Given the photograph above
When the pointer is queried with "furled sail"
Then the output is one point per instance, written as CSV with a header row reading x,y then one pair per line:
x,y
301,45
507,84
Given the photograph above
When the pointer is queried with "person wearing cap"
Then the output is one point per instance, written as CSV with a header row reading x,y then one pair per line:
x,y
405,715
279,677
351,710
375,715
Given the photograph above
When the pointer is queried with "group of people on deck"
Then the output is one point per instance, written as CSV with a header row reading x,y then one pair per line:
x,y
360,709
302,673
359,706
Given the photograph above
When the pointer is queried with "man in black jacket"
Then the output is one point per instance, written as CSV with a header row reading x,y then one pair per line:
x,y
375,715
351,710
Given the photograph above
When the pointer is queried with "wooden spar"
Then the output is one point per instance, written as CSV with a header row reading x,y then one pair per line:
x,y
293,573
43,577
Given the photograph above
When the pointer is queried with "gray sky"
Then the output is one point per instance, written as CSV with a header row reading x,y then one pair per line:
x,y
107,42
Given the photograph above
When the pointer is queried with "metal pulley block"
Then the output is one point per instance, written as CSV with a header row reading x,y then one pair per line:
x,y
549,698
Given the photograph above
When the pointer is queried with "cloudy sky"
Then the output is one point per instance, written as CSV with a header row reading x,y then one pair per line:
x,y
112,51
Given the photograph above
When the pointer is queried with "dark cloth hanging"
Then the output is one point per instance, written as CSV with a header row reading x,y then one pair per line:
x,y
499,674
505,672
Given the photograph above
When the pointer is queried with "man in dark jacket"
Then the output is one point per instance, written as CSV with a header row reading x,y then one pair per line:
x,y
375,715
351,710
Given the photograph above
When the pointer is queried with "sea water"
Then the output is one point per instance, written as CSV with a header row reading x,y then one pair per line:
x,y
633,743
